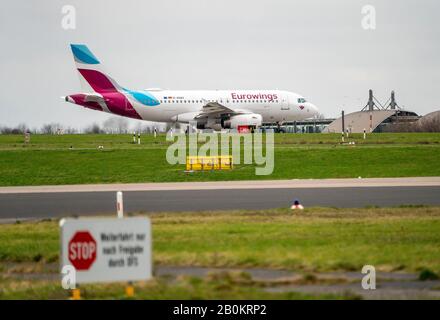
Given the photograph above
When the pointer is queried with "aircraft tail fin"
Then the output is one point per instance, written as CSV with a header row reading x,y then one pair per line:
x,y
92,77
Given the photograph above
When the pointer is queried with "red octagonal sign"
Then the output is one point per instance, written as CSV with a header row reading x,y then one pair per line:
x,y
82,250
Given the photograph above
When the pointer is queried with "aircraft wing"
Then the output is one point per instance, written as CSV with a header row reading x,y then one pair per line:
x,y
214,108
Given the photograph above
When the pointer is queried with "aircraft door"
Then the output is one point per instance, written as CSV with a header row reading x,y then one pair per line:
x,y
284,107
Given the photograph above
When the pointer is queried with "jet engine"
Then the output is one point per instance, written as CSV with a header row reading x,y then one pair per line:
x,y
248,119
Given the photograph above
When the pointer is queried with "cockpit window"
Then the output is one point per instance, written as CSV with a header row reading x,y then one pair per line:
x,y
301,100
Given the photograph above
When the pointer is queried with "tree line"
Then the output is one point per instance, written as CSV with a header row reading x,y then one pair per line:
x,y
113,125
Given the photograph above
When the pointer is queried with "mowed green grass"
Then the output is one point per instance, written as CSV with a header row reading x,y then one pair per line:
x,y
49,160
124,141
185,288
316,239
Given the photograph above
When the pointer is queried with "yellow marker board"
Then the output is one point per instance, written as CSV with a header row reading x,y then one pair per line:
x,y
209,163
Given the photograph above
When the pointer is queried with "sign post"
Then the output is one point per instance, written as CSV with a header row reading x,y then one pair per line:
x,y
343,121
76,294
119,204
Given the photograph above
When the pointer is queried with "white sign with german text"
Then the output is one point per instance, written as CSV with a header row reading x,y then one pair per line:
x,y
107,249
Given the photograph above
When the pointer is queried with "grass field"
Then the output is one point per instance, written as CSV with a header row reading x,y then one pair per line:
x,y
317,239
216,287
50,160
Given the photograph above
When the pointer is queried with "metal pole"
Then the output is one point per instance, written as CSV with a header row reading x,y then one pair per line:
x,y
393,101
370,100
343,122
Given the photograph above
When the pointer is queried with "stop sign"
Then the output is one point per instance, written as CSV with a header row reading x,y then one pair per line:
x,y
82,250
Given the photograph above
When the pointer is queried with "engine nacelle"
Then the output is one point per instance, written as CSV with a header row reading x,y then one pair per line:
x,y
248,119
233,122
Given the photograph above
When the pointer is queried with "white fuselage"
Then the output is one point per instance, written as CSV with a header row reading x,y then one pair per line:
x,y
182,105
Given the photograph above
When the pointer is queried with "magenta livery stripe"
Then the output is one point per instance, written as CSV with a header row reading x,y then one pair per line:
x,y
98,81
116,102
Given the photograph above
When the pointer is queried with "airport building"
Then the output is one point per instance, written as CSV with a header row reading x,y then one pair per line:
x,y
372,121
305,126
433,117
374,117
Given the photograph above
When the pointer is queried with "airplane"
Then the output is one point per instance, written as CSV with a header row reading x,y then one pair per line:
x,y
205,109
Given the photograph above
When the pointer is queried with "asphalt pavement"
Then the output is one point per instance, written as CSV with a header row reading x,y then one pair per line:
x,y
62,201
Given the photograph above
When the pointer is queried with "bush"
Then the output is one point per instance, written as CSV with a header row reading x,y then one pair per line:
x,y
427,274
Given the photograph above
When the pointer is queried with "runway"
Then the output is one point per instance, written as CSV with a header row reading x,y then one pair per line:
x,y
62,201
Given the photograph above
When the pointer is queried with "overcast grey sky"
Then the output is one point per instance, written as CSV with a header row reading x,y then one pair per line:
x,y
315,48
